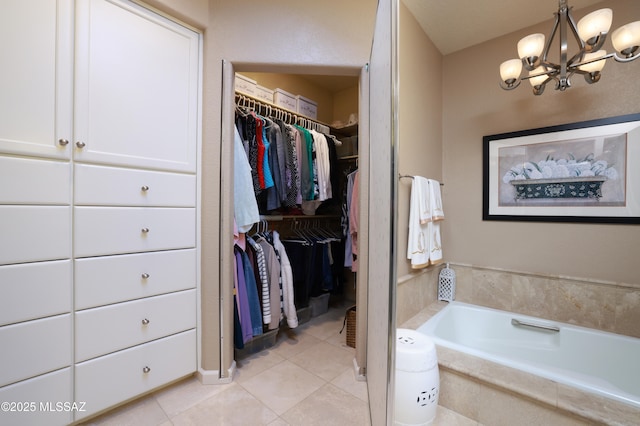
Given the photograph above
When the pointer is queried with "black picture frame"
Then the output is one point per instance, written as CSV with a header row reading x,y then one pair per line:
x,y
584,172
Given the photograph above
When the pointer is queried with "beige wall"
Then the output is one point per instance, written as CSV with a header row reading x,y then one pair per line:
x,y
474,106
286,36
318,38
420,119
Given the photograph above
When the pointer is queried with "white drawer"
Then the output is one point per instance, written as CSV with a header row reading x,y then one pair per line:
x,y
32,181
119,230
34,233
108,380
34,347
45,392
112,279
101,186
34,290
110,328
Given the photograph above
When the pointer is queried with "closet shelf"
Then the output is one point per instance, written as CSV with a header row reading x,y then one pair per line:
x,y
351,130
348,158
276,218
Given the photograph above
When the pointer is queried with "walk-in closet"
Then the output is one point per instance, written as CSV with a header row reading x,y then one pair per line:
x,y
295,167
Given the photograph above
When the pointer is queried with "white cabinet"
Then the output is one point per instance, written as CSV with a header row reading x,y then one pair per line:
x,y
136,88
114,230
34,290
36,77
110,328
43,393
34,347
112,279
115,186
110,379
36,87
99,128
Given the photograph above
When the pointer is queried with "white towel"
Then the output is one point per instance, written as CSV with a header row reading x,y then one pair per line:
x,y
419,218
436,214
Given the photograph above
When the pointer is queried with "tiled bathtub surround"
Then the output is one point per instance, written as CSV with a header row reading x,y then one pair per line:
x,y
607,306
488,393
492,394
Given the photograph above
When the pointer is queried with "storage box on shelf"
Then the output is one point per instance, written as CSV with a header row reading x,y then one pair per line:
x,y
307,107
264,94
246,85
285,100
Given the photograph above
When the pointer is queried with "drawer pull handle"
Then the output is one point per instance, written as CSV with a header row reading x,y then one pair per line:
x,y
145,322
145,230
80,144
145,276
144,188
63,142
146,370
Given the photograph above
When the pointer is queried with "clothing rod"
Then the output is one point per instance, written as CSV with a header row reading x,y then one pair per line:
x,y
411,177
251,102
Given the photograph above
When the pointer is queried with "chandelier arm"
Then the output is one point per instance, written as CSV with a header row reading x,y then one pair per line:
x,y
552,34
576,69
625,59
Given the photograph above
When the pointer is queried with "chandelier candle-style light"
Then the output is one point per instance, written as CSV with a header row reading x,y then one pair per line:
x,y
590,34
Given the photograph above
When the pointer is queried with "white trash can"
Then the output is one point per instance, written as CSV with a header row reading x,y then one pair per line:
x,y
417,379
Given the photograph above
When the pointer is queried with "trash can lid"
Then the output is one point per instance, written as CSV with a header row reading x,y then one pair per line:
x,y
414,351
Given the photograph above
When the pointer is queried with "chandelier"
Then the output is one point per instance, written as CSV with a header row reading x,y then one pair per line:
x,y
590,34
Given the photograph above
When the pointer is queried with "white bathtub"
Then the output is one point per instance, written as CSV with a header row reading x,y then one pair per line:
x,y
595,361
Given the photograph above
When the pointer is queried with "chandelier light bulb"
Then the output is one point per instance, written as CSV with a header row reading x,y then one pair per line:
x,y
626,39
596,66
510,70
531,46
538,76
595,23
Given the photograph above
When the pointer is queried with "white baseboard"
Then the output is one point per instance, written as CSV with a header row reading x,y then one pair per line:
x,y
212,377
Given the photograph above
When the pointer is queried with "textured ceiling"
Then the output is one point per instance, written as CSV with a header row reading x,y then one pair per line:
x,y
453,25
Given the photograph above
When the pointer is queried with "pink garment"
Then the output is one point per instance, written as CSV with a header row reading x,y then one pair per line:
x,y
354,209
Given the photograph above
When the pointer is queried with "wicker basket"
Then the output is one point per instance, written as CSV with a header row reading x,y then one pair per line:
x,y
350,323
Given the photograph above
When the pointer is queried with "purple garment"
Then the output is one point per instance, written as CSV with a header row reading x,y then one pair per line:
x,y
243,300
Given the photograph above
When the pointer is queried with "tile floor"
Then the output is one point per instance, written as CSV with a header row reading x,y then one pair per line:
x,y
306,378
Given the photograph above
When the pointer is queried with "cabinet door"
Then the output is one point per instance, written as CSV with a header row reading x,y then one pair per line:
x,y
36,77
136,93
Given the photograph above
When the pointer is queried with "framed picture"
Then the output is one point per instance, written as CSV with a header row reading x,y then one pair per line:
x,y
579,172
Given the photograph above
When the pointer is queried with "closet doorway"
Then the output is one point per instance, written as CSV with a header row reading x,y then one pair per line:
x,y
340,95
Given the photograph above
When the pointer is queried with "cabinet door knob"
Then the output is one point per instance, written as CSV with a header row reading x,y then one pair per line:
x,y
63,142
145,276
80,144
144,188
146,370
145,230
145,322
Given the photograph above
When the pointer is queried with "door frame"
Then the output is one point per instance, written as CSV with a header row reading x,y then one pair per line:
x,y
227,363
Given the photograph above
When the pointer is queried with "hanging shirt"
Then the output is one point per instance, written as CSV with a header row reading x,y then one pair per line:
x,y
244,201
323,165
243,300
